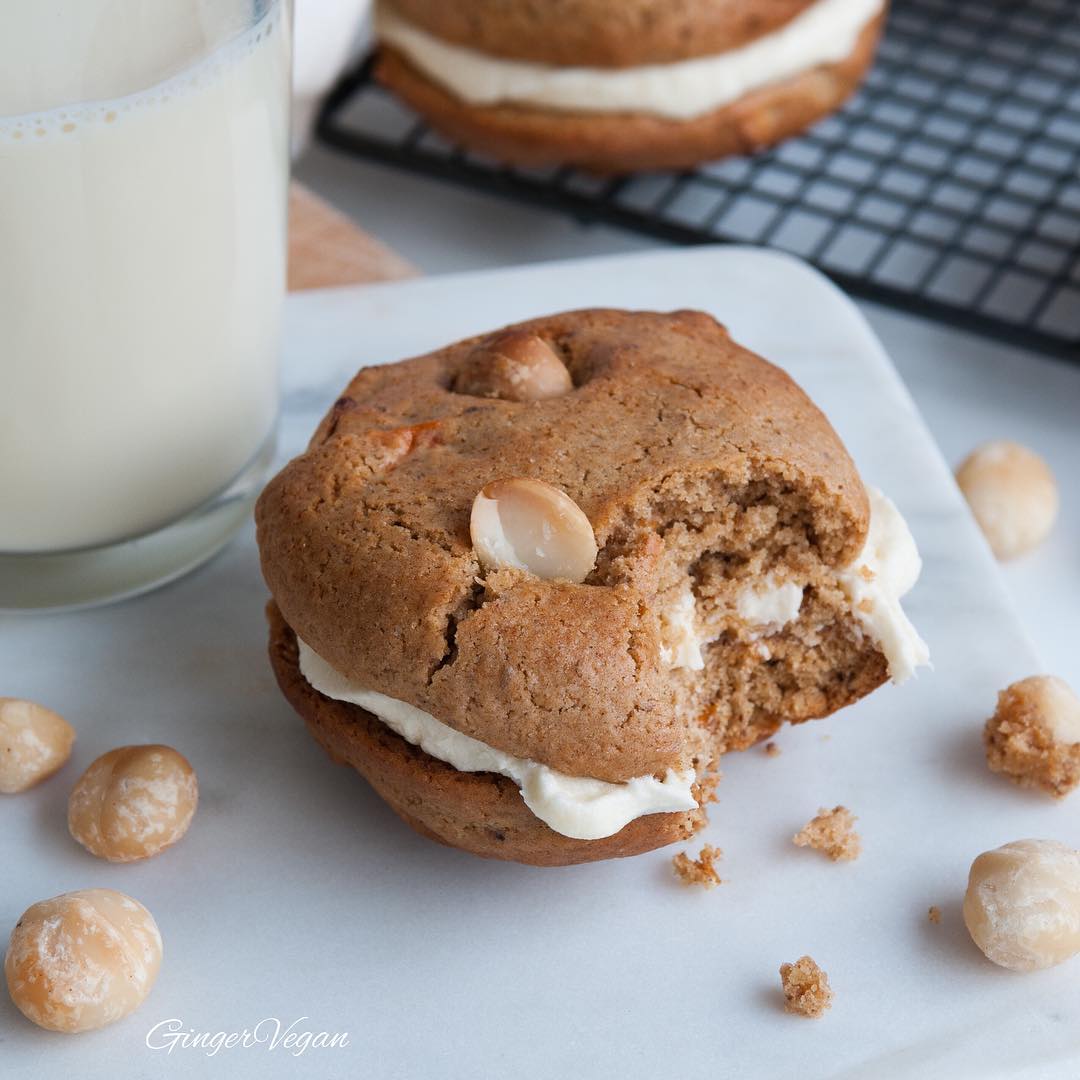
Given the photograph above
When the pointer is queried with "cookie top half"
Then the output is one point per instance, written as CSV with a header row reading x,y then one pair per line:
x,y
600,33
674,441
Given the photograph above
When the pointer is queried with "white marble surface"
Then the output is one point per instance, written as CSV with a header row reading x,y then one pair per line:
x,y
297,894
968,388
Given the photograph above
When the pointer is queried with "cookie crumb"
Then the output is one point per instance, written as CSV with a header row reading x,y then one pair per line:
x,y
708,785
934,914
806,988
1033,737
832,832
699,871
772,750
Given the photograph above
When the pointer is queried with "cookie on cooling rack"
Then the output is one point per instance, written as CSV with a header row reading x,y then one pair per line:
x,y
615,86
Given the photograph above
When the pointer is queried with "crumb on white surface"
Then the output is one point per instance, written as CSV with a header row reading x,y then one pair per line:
x,y
1033,738
806,988
831,832
699,871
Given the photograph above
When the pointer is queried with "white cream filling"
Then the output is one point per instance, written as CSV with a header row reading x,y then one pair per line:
x,y
886,569
680,641
770,605
576,806
824,33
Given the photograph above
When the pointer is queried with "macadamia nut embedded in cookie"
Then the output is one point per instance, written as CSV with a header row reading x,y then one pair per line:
x,y
514,366
1022,905
1013,495
528,525
82,960
133,802
1034,735
34,743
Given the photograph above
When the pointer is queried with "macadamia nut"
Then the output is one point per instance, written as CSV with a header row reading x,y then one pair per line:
x,y
515,366
1034,735
1012,493
1022,905
82,960
34,743
133,802
529,525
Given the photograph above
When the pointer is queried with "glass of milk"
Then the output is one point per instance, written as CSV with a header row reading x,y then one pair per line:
x,y
143,187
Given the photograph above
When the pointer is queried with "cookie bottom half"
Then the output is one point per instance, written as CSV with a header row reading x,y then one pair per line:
x,y
481,813
614,143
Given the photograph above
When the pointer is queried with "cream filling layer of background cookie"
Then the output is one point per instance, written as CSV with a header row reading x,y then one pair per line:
x,y
823,34
578,807
884,571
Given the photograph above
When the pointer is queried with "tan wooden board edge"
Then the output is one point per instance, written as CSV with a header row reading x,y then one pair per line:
x,y
327,249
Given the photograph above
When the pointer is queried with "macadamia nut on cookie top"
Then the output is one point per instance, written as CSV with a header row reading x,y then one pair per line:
x,y
532,622
616,85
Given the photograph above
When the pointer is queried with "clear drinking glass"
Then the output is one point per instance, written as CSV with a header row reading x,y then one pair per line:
x,y
143,186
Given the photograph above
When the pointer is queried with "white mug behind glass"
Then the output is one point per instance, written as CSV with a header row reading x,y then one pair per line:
x,y
143,185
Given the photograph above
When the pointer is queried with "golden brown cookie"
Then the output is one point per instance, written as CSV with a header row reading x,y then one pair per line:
x,y
705,473
622,142
600,33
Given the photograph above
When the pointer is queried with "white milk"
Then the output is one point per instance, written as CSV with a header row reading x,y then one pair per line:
x,y
141,259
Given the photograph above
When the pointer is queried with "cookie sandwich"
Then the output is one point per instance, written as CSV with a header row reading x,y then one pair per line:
x,y
615,86
533,584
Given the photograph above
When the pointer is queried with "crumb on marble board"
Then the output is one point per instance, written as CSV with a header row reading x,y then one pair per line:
x,y
831,832
699,871
806,988
772,750
934,914
1033,738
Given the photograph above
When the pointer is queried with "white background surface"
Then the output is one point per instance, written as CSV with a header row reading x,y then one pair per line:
x,y
298,894
968,389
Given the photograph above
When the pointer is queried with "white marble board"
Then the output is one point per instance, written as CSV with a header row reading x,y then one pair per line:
x,y
297,894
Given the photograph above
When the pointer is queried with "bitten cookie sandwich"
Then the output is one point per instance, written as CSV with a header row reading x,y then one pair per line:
x,y
622,85
533,584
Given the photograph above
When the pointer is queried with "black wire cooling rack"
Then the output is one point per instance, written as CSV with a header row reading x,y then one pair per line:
x,y
949,186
